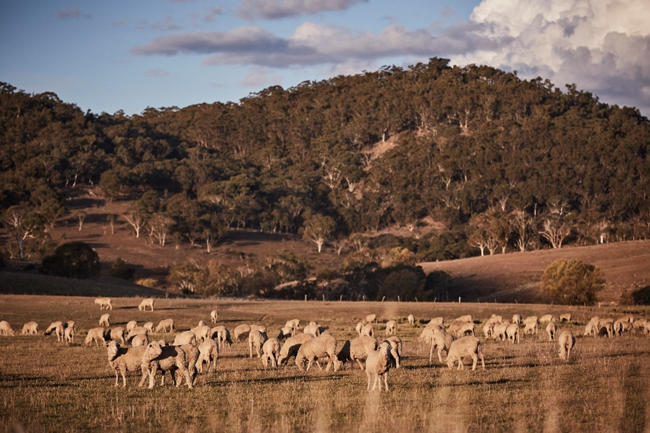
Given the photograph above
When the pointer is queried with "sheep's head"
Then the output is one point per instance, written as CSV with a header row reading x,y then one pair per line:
x,y
337,364
152,351
113,349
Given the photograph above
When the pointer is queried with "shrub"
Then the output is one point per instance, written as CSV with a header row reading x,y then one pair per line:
x,y
152,283
72,260
572,282
120,269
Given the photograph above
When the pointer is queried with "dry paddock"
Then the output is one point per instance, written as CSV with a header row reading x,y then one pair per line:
x,y
49,386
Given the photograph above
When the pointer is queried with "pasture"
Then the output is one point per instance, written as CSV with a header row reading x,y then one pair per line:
x,y
50,386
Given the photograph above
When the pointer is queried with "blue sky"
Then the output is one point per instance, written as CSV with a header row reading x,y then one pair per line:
x,y
107,56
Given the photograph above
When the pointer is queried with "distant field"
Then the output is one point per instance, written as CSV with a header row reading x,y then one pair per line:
x,y
49,386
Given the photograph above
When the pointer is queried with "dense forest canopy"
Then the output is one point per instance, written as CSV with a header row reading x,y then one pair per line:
x,y
493,162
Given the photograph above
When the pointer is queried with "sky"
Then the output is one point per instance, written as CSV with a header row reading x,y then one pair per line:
x,y
128,55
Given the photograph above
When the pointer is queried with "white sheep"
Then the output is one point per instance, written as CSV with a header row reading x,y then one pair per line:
x,y
436,321
377,366
95,334
488,329
315,348
517,319
30,328
440,340
391,327
592,326
214,316
118,334
465,346
105,320
566,317
465,329
124,359
165,325
605,327
57,328
357,349
68,334
140,340
186,337
411,320
130,325
371,318
512,333
499,332
6,329
291,346
395,349
166,358
530,325
222,335
495,319
293,323
241,332
367,331
639,325
148,302
546,318
256,340
148,326
550,330
566,342
455,326
359,326
104,303
464,319
202,332
136,331
313,329
208,353
271,352
286,332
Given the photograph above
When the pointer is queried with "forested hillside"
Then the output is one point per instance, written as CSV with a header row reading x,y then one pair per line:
x,y
470,160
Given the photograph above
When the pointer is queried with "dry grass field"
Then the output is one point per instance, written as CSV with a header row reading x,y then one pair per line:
x,y
50,386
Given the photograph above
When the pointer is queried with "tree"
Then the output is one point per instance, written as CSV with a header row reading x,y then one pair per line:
x,y
137,218
318,229
572,282
72,260
81,217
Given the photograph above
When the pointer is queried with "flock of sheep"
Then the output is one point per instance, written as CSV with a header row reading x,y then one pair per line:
x,y
192,350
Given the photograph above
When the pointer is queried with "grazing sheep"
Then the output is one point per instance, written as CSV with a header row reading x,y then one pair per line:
x,y
208,353
315,348
122,359
638,324
440,340
191,358
222,335
293,323
165,325
214,316
357,349
465,329
201,323
359,327
271,352
455,326
163,359
436,321
313,329
130,325
291,346
566,342
68,334
149,326
391,327
256,340
411,320
57,328
565,317
495,319
517,319
105,320
466,346
546,318
70,324
241,332
117,334
592,326
104,303
551,329
30,328
500,331
395,349
626,326
202,332
367,331
512,333
6,329
186,337
605,327
488,329
530,325
377,366
148,302
464,319
286,332
96,334
139,340
136,331
371,318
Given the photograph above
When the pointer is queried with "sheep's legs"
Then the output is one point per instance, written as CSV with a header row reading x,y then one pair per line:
x,y
360,364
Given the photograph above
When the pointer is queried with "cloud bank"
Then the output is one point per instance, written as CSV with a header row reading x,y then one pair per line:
x,y
274,9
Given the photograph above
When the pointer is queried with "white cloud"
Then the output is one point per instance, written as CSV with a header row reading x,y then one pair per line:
x,y
274,9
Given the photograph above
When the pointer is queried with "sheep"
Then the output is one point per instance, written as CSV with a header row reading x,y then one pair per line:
x,y
395,349
6,329
488,329
130,325
455,326
357,349
367,331
371,318
466,329
626,326
500,331
512,333
186,337
605,327
516,319
122,360
464,319
208,353
70,324
165,358
639,325
136,331
566,317
105,320
271,352
201,323
214,316
148,326
148,302
313,329
165,325
391,327
530,325
202,332
318,347
286,332
377,365
617,328
57,328
222,335
566,342
68,334
495,319
592,326
291,346
117,334
411,320
436,321
465,346
293,323
140,340
358,328
546,318
104,303
440,340
30,328
256,340
96,334
551,329
241,332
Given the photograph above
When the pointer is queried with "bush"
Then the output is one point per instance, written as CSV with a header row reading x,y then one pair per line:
x,y
120,269
152,283
72,260
572,282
